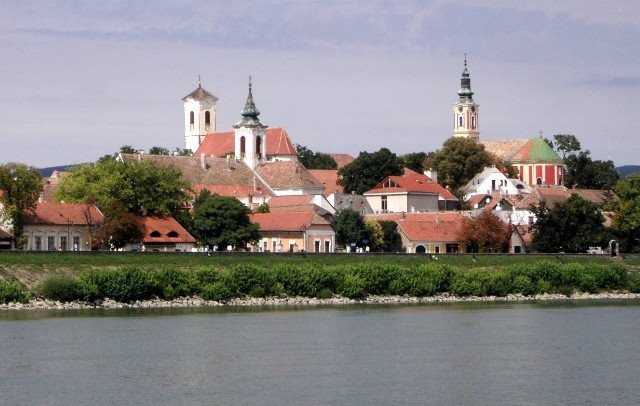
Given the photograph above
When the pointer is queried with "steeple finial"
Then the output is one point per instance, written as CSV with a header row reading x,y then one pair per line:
x,y
465,92
250,112
199,81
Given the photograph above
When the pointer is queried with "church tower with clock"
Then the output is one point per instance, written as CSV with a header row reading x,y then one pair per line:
x,y
465,111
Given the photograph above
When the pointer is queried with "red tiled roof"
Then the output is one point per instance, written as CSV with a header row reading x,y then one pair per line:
x,y
447,216
5,235
329,179
220,144
417,183
442,229
286,175
285,201
64,214
164,230
231,190
217,171
287,221
342,159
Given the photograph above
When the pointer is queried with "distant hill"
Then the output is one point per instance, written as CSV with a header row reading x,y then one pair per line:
x,y
627,170
46,172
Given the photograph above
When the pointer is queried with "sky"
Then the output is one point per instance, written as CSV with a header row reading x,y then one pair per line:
x,y
78,80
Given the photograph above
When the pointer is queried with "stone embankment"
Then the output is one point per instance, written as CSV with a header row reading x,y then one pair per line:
x,y
45,304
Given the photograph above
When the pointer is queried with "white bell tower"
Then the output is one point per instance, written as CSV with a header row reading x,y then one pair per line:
x,y
199,116
465,111
250,137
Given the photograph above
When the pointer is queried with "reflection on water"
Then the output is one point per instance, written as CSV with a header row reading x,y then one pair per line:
x,y
506,353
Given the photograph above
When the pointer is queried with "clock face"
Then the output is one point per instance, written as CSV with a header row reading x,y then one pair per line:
x,y
473,108
460,109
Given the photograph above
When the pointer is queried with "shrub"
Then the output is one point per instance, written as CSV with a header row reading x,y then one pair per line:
x,y
13,291
377,277
248,277
353,287
61,287
324,294
469,283
499,284
522,284
123,285
218,291
171,283
549,271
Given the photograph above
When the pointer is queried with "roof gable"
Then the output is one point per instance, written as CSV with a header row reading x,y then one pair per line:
x,y
64,214
411,183
287,175
219,144
164,230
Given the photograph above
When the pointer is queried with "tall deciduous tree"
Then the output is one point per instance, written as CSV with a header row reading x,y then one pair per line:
x,y
369,169
222,221
626,221
392,239
459,160
119,228
414,160
566,144
571,226
585,173
315,160
486,233
144,188
158,151
350,227
21,186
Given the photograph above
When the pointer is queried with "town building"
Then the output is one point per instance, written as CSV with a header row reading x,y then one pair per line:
x,y
162,234
61,227
293,232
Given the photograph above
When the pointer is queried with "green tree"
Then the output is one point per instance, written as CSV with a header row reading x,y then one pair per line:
x,y
315,160
571,226
626,221
22,185
350,227
369,169
222,221
183,152
263,208
392,239
458,161
584,173
143,187
119,228
566,144
158,151
486,233
128,149
414,161
376,235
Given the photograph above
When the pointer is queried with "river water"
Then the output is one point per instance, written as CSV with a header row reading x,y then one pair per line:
x,y
573,352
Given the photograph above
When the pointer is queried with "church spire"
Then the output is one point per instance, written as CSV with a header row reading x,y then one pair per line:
x,y
465,92
250,112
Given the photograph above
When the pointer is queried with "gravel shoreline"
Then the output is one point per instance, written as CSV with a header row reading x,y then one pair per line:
x,y
45,304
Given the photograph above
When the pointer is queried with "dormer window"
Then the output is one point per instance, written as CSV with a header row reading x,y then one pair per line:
x,y
173,234
155,234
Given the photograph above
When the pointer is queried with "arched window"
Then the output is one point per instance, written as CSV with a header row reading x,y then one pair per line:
x,y
539,181
207,118
473,122
259,146
459,121
192,118
242,146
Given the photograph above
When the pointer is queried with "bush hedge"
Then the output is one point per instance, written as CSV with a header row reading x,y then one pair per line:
x,y
353,281
13,291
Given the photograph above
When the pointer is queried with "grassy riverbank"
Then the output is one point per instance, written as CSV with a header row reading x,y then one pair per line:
x,y
222,276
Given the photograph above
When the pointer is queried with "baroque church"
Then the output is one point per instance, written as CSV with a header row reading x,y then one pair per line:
x,y
537,163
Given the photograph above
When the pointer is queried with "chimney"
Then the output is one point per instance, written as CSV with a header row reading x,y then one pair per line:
x,y
432,174
202,164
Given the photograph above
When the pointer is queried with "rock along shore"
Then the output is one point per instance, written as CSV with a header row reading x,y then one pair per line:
x,y
45,304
